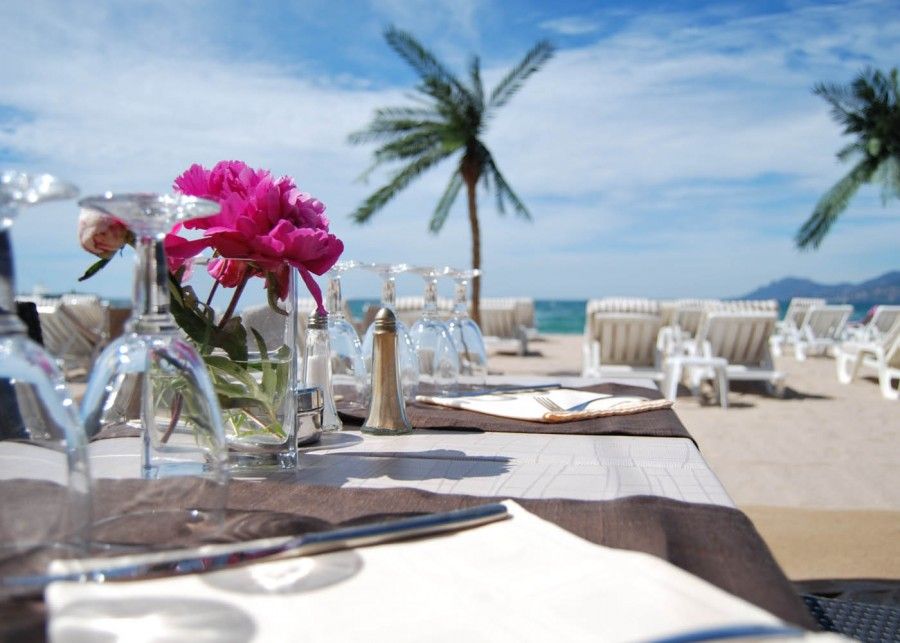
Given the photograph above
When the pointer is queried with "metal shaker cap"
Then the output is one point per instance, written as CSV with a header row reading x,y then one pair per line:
x,y
385,319
317,320
308,399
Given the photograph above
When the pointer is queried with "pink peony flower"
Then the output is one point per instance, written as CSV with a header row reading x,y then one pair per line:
x,y
228,272
100,234
265,221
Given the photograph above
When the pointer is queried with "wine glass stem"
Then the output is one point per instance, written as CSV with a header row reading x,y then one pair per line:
x,y
389,292
151,313
460,306
430,306
9,320
334,298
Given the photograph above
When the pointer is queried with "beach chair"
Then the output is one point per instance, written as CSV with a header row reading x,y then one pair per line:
x,y
880,323
75,329
622,305
787,331
822,330
622,344
409,309
525,317
741,338
681,318
500,326
741,305
882,355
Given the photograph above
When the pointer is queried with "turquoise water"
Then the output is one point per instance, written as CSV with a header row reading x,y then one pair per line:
x,y
566,316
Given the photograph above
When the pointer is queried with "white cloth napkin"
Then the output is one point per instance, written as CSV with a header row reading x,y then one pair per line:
x,y
518,580
524,405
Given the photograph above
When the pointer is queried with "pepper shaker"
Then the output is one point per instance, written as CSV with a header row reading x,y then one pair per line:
x,y
387,412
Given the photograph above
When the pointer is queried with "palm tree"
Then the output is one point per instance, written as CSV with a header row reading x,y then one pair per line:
x,y
450,117
869,108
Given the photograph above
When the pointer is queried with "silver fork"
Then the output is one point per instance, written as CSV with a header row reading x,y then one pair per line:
x,y
550,405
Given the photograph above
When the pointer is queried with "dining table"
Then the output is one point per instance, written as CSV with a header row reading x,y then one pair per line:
x,y
636,483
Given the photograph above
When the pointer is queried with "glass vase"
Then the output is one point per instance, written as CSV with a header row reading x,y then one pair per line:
x,y
254,377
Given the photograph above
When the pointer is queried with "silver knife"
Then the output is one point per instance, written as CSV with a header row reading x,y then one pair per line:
x,y
503,389
213,557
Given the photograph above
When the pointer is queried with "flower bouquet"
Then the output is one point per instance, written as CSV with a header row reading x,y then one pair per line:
x,y
267,232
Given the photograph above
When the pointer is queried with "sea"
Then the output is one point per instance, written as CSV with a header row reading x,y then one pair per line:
x,y
566,316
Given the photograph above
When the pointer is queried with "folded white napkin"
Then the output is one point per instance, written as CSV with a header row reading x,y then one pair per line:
x,y
525,406
522,579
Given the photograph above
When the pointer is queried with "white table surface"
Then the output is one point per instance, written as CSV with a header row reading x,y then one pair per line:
x,y
580,467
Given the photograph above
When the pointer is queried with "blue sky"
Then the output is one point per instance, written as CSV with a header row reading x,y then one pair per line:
x,y
668,149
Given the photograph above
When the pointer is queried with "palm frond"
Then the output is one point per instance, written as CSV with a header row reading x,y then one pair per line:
x,y
850,150
504,192
512,82
383,129
443,207
888,175
406,113
477,85
397,183
410,146
421,60
832,204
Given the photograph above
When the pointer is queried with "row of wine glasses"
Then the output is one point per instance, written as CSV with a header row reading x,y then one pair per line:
x,y
436,356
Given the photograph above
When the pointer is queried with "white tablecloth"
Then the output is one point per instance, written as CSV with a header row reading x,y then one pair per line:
x,y
580,467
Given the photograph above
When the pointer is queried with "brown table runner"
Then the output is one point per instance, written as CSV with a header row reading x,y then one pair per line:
x,y
717,544
662,423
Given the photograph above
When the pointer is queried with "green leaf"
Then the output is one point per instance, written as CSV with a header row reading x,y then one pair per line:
x,y
269,378
94,269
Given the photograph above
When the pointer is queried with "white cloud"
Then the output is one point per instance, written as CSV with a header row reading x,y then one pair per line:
x,y
644,156
571,25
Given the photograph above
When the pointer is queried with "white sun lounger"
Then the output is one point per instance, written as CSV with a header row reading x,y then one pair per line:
x,y
742,340
881,355
75,329
787,331
500,326
622,344
881,322
822,330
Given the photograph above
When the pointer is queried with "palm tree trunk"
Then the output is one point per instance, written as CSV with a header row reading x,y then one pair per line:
x,y
476,245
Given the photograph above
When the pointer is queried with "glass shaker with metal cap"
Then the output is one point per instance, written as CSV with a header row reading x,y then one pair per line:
x,y
387,411
308,402
317,369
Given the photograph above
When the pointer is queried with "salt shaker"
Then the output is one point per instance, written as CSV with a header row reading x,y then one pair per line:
x,y
317,369
387,412
309,415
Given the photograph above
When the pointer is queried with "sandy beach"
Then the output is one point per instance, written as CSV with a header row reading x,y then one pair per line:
x,y
818,471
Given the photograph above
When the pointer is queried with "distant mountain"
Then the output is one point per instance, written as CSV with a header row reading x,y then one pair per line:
x,y
883,290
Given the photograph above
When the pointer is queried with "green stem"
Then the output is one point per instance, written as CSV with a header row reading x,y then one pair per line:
x,y
234,300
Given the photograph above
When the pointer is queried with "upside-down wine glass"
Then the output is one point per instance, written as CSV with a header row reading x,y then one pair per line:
x,y
409,368
153,380
349,378
45,490
437,355
465,332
